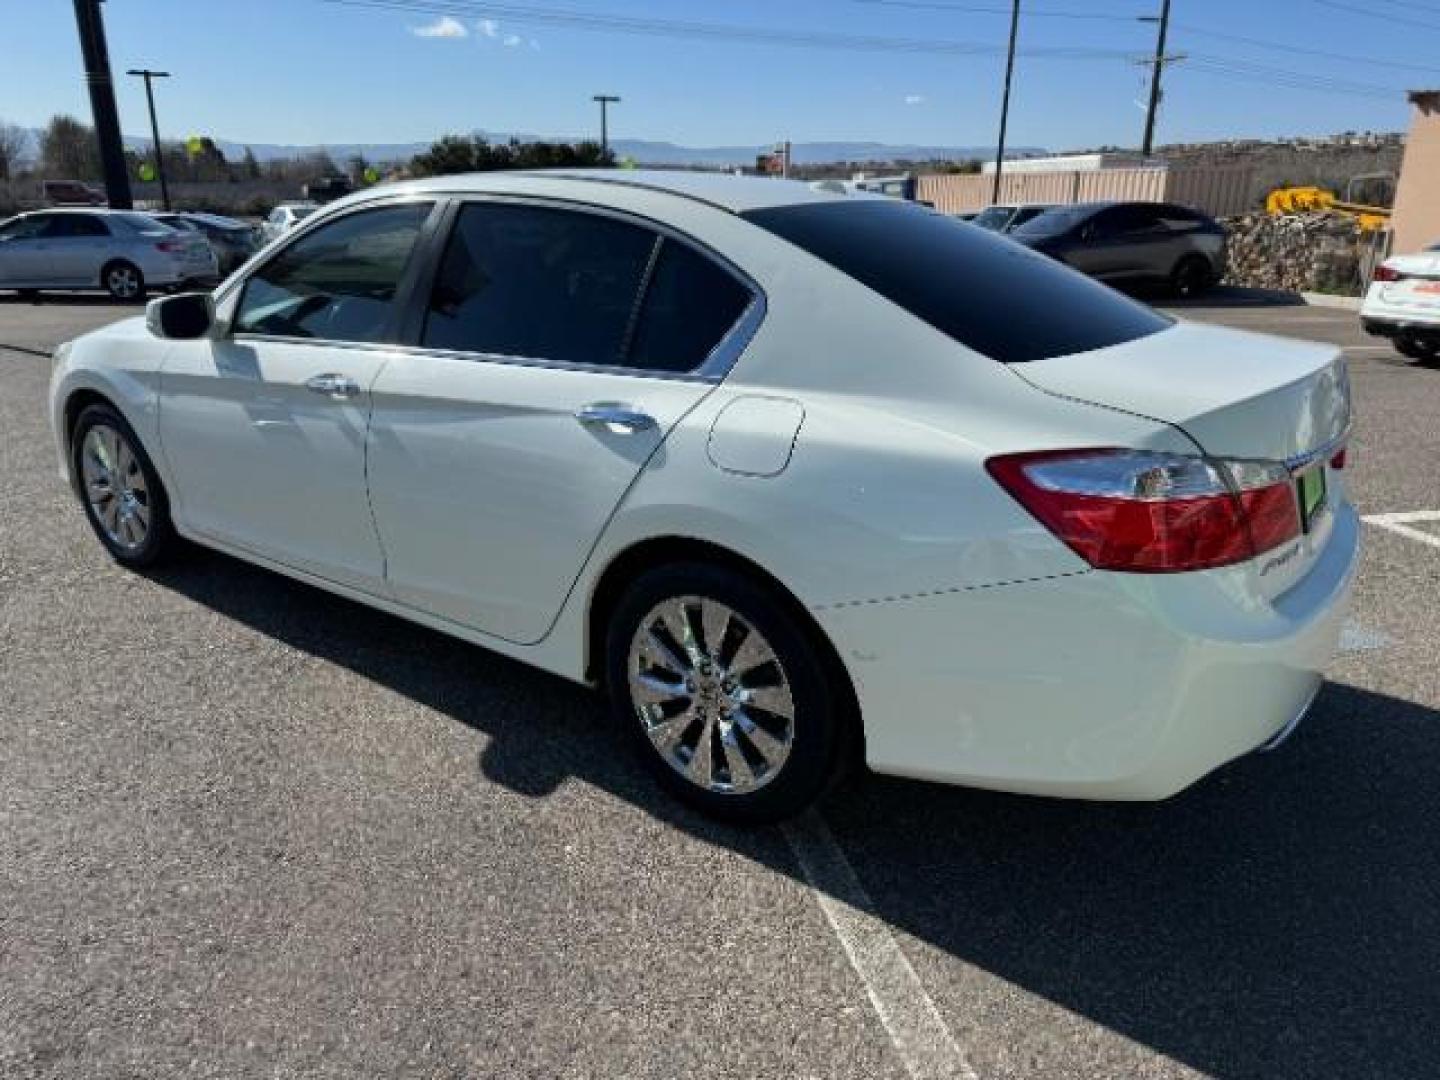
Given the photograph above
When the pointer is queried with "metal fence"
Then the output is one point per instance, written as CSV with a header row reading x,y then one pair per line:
x,y
1219,192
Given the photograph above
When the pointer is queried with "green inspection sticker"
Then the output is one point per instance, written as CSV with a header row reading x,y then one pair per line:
x,y
1311,486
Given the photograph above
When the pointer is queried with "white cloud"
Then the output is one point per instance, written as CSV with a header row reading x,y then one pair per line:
x,y
513,41
489,27
914,99
443,27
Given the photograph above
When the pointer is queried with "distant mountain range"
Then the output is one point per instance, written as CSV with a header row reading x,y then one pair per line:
x,y
645,152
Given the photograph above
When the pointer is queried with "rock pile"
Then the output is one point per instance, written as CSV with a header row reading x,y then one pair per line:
x,y
1316,252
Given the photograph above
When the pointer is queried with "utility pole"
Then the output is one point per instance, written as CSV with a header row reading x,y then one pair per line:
x,y
605,100
147,75
1005,102
102,102
1159,66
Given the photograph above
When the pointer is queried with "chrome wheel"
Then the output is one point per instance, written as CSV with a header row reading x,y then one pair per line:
x,y
123,282
115,487
711,695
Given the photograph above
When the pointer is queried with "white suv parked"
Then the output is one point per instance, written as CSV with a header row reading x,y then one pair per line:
x,y
1403,304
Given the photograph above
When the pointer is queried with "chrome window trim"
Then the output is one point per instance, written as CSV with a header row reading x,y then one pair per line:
x,y
713,369
716,367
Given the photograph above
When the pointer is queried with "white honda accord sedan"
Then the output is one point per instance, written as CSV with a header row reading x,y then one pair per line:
x,y
801,479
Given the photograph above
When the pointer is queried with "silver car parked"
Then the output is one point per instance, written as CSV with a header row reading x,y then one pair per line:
x,y
122,252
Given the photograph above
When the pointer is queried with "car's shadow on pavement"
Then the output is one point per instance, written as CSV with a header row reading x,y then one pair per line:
x,y
67,299
1281,919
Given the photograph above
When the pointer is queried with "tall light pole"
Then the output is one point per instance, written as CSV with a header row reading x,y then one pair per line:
x,y
1005,102
102,102
1159,65
605,100
147,75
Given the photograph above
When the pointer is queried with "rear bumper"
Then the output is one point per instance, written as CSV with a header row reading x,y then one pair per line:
x,y
1381,319
1096,685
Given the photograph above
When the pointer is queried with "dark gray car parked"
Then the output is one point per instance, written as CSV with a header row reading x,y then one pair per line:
x,y
1132,242
232,241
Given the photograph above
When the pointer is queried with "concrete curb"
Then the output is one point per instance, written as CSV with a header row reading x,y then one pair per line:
x,y
1344,303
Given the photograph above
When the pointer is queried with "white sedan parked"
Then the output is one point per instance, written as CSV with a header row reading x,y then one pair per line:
x,y
119,251
1403,304
284,218
800,478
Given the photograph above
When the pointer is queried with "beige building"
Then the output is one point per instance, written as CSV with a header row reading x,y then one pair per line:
x,y
1416,221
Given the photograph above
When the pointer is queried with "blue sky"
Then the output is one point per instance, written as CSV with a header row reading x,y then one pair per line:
x,y
305,71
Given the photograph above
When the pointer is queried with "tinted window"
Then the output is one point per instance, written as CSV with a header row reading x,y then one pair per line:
x,y
690,304
1024,214
1055,222
985,291
537,282
994,217
77,225
338,282
1122,221
23,228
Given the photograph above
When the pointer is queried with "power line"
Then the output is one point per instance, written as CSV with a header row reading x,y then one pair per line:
x,y
1301,50
971,9
1237,69
521,13
1354,9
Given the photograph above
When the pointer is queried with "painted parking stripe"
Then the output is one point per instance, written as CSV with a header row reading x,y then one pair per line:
x,y
1402,524
923,1041
1357,637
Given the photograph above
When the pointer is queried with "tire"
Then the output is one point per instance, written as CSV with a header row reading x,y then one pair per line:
x,y
1192,276
123,497
1407,347
761,766
123,281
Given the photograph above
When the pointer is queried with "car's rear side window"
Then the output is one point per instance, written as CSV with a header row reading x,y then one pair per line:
x,y
572,287
984,291
690,305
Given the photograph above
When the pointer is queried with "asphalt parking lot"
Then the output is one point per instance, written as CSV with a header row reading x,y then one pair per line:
x,y
250,829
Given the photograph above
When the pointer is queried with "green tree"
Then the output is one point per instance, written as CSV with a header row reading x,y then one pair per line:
x,y
69,151
474,153
249,166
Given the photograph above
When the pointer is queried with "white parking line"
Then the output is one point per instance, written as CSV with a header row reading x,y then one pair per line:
x,y
1400,524
1357,637
921,1038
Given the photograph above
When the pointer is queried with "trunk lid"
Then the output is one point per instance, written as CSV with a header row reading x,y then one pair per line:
x,y
1238,396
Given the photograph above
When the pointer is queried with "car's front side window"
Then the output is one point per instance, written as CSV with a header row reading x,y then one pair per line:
x,y
338,282
539,283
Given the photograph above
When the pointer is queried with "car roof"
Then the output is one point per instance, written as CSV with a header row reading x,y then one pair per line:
x,y
723,190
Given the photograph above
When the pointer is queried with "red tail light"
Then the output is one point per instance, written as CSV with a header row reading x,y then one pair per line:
x,y
1154,513
1338,461
1387,273
170,247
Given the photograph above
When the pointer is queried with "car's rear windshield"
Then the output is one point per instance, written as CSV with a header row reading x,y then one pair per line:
x,y
984,291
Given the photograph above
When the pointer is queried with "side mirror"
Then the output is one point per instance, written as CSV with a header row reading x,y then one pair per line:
x,y
182,317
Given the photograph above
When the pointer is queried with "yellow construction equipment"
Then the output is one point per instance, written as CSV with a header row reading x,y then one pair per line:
x,y
1299,200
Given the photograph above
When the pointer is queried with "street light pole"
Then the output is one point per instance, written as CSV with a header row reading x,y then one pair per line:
x,y
147,75
605,100
1160,60
1005,102
102,102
